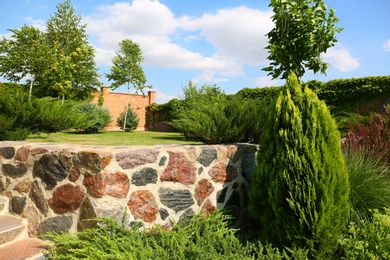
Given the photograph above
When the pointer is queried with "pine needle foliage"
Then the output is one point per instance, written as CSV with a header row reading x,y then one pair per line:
x,y
300,188
132,120
200,237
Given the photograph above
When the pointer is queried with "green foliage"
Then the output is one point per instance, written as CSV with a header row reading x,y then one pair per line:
x,y
73,73
303,30
57,62
198,238
95,118
126,67
26,54
214,119
369,183
350,95
52,115
15,117
300,187
132,120
368,240
259,93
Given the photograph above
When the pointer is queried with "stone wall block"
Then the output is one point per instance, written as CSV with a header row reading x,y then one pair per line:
x,y
66,198
31,214
202,190
74,173
17,204
7,152
23,186
208,208
222,173
144,177
22,154
50,170
116,184
87,214
179,169
143,205
14,171
38,150
36,195
56,224
133,159
93,161
207,156
177,200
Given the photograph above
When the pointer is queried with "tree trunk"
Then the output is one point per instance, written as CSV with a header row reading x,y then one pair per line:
x,y
127,108
31,85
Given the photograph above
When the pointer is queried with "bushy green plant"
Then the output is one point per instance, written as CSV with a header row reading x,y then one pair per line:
x,y
15,113
132,120
215,119
300,188
96,117
52,115
368,239
200,237
369,183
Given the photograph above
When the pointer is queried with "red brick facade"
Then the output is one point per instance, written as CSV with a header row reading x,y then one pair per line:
x,y
116,103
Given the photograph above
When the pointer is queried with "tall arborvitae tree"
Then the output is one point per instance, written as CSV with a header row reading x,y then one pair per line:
x,y
74,73
300,189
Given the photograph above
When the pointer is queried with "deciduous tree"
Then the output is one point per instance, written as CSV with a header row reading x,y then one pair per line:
x,y
127,70
304,29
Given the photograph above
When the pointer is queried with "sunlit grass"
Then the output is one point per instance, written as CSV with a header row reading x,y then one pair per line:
x,y
112,138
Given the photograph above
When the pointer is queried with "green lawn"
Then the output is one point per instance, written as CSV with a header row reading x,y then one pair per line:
x,y
112,138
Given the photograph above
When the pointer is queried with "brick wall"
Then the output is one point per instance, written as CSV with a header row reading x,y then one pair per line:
x,y
116,103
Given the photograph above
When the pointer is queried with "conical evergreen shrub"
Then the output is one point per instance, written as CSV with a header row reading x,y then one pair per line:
x,y
300,188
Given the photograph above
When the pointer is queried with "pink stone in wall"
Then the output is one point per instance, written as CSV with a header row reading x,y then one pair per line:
x,y
22,154
133,159
143,205
208,208
202,190
116,184
66,198
222,173
179,169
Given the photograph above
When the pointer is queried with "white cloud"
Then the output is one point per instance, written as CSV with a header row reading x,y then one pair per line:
x,y
341,59
37,23
266,82
236,36
386,46
103,56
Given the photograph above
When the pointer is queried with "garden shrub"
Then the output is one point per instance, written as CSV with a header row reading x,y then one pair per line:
x,y
368,239
52,115
215,119
16,112
132,120
200,237
300,188
96,118
369,184
372,137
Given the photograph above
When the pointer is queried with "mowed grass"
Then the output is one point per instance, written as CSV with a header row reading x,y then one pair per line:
x,y
112,138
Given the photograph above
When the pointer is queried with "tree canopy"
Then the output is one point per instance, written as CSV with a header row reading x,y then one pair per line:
x,y
304,29
58,61
127,70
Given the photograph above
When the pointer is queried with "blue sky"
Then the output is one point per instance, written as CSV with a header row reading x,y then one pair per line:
x,y
211,41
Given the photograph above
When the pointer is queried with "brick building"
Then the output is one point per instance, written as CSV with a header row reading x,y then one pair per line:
x,y
116,103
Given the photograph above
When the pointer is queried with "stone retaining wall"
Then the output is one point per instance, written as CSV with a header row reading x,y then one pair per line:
x,y
58,187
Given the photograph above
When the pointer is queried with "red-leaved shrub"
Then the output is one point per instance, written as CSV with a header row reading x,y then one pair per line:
x,y
373,137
